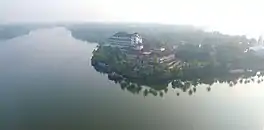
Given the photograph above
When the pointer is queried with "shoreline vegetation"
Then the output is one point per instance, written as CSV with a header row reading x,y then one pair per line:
x,y
9,31
12,31
112,62
133,74
154,34
200,58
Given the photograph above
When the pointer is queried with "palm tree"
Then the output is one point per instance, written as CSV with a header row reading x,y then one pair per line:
x,y
245,82
194,89
208,88
241,81
146,92
190,92
259,81
252,79
161,94
166,90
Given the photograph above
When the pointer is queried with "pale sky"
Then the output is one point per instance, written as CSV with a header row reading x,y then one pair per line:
x,y
228,16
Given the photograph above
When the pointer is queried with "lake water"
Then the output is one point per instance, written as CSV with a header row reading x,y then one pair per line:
x,y
47,82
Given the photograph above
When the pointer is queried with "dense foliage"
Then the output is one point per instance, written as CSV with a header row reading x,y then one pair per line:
x,y
206,57
201,65
155,34
8,31
117,61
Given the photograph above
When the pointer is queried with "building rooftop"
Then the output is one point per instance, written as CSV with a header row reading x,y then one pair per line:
x,y
124,34
113,38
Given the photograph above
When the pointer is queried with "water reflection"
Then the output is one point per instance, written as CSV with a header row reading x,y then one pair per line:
x,y
182,84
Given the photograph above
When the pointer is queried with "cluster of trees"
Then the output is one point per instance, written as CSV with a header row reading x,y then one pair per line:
x,y
194,45
114,60
202,67
8,32
208,57
189,85
155,34
225,56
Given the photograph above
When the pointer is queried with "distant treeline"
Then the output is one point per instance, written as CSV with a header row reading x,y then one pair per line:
x,y
155,34
11,31
8,31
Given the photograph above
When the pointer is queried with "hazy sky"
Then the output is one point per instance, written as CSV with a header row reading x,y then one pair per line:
x,y
229,16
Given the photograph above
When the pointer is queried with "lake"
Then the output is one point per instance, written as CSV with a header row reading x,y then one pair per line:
x,y
47,82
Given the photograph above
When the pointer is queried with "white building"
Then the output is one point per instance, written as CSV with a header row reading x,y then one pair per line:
x,y
167,58
258,50
123,40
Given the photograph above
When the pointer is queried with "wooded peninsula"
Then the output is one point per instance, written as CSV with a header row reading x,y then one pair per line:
x,y
184,56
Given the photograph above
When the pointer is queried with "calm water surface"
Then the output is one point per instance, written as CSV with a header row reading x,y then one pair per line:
x,y
47,82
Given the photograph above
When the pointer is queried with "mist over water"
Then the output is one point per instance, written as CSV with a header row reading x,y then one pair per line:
x,y
47,82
